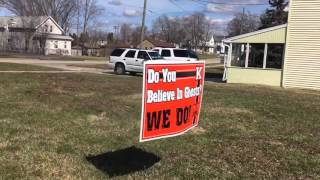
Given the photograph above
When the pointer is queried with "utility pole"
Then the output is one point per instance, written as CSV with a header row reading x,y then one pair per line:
x,y
242,18
143,23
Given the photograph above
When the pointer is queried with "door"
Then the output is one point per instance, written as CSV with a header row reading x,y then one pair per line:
x,y
129,59
141,58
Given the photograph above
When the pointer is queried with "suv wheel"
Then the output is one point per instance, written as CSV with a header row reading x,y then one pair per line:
x,y
119,69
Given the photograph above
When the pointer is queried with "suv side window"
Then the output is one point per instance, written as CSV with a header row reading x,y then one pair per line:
x,y
143,55
130,54
117,52
166,53
180,53
193,55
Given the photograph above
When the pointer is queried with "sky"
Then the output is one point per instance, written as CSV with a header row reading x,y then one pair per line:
x,y
219,12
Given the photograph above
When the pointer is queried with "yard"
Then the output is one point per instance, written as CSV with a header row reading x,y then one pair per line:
x,y
24,67
68,126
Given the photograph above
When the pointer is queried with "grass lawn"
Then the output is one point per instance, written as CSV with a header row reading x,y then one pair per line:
x,y
208,56
51,123
23,67
53,57
97,66
74,58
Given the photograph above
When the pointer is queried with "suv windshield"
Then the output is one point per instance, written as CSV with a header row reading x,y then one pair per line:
x,y
155,55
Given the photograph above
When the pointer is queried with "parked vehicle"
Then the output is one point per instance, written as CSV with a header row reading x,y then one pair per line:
x,y
176,54
131,60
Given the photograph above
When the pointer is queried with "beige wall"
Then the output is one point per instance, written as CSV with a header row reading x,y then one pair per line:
x,y
50,48
269,77
302,60
275,36
147,44
49,23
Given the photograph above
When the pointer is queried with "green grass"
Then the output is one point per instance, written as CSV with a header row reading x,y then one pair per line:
x,y
50,123
23,67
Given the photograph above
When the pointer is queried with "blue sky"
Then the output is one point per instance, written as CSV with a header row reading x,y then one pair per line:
x,y
130,11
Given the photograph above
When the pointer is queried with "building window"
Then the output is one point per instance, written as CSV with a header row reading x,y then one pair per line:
x,y
259,55
51,29
56,44
256,55
275,56
45,28
65,44
238,56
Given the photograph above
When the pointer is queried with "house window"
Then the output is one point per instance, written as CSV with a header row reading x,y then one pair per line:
x,y
256,55
45,28
56,44
238,57
65,44
51,29
275,56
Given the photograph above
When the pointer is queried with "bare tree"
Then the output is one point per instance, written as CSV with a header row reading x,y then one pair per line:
x,y
194,29
90,11
243,23
126,32
61,10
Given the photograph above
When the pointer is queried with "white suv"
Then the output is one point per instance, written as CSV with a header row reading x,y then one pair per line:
x,y
131,60
176,54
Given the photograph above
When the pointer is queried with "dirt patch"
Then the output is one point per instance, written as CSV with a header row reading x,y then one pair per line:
x,y
227,110
198,130
95,118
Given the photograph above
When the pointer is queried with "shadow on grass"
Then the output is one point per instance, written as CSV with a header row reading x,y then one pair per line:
x,y
123,162
214,77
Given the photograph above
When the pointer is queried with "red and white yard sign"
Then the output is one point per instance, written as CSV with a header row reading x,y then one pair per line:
x,y
172,96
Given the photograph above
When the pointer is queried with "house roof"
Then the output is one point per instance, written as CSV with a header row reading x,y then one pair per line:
x,y
160,43
22,21
119,45
33,22
271,34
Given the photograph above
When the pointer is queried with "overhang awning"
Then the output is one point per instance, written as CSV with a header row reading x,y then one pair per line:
x,y
53,37
271,35
59,37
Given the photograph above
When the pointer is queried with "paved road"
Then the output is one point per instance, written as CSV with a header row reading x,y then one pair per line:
x,y
71,66
63,65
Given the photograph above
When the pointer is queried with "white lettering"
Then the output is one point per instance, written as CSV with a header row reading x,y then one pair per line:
x,y
153,77
199,70
169,76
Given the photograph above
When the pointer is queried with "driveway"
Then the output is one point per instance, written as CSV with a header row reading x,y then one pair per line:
x,y
69,66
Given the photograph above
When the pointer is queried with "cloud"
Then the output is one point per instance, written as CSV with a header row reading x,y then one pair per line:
x,y
115,2
228,9
220,8
218,21
131,13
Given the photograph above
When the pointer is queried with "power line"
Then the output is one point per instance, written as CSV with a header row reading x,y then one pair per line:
x,y
174,3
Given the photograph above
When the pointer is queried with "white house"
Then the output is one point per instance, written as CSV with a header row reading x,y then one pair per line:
x,y
214,45
40,34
